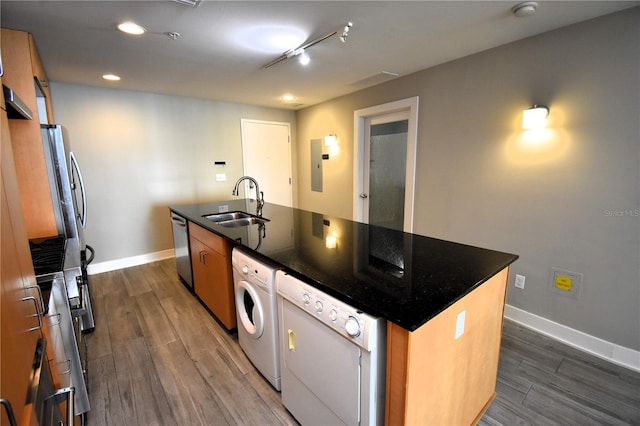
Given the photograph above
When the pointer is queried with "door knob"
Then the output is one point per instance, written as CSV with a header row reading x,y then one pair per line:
x,y
364,196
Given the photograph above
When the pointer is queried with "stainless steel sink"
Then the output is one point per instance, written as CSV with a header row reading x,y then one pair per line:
x,y
221,217
244,221
235,219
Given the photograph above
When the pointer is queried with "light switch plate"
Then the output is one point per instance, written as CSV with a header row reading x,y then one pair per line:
x,y
221,177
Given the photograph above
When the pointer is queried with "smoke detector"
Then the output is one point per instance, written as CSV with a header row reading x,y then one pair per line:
x,y
524,9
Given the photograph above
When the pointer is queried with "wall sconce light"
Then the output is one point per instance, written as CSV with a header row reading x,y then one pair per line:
x,y
331,140
535,117
331,242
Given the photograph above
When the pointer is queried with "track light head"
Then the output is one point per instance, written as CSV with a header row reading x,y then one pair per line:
x,y
304,58
345,32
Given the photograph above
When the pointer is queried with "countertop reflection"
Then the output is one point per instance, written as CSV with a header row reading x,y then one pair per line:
x,y
405,278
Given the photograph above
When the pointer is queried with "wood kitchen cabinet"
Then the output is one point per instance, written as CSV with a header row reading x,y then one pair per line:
x,y
212,273
19,299
40,77
22,71
444,373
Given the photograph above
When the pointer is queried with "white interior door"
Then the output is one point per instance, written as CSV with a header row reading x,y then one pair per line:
x,y
384,164
266,153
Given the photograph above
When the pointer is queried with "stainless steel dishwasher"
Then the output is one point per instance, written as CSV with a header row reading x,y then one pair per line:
x,y
181,244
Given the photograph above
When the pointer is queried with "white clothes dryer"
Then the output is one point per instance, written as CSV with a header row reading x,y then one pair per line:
x,y
256,310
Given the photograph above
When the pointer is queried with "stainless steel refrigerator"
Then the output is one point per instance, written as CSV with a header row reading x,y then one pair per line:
x,y
70,208
60,261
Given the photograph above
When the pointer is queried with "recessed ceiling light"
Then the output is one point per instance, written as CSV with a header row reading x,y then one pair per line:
x,y
288,98
131,28
111,77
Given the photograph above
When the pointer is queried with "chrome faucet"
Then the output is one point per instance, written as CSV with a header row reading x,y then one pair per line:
x,y
259,194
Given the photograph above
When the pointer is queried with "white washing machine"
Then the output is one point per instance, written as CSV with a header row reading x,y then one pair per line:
x,y
256,310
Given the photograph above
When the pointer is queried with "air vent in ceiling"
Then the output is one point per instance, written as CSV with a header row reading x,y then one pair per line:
x,y
374,79
192,3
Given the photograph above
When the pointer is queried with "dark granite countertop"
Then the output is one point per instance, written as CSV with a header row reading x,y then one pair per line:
x,y
405,278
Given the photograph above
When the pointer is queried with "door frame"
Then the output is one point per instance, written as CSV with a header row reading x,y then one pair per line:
x,y
359,118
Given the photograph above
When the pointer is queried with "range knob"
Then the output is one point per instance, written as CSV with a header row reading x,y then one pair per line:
x,y
306,298
318,306
333,315
245,270
352,327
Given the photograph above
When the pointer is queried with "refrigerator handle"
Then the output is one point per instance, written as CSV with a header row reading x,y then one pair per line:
x,y
83,218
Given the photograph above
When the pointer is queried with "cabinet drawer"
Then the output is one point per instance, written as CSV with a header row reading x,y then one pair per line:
x,y
211,240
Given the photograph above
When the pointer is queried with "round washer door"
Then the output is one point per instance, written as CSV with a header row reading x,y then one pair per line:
x,y
249,309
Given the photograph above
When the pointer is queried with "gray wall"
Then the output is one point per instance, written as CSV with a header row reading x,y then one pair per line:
x,y
141,152
571,202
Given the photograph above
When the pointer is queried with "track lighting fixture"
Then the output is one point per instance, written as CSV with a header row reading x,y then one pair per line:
x,y
345,32
301,50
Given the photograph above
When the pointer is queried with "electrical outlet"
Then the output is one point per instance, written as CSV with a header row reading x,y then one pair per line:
x,y
221,177
519,281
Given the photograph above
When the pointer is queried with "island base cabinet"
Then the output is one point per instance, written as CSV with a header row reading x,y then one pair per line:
x,y
444,373
212,276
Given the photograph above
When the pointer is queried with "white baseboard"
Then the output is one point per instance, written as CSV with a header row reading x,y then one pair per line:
x,y
608,351
128,262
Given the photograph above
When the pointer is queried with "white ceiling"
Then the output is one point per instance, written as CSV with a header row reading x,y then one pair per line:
x,y
218,54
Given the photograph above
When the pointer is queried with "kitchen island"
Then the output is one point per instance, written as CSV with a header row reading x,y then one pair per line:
x,y
443,301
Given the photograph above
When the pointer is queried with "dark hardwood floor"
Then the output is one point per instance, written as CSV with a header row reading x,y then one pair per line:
x,y
157,357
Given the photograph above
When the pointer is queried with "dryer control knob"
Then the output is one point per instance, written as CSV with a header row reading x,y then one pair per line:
x,y
352,327
318,306
333,315
306,298
245,270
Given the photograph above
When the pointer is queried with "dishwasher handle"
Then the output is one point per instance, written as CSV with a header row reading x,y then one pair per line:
x,y
178,220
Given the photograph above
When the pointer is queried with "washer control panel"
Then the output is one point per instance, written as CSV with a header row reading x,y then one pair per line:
x,y
354,324
253,271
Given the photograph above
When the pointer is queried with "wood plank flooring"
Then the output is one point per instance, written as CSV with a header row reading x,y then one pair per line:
x,y
157,357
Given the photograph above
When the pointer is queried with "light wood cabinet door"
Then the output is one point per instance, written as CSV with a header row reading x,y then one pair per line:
x,y
202,272
26,137
212,276
19,304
